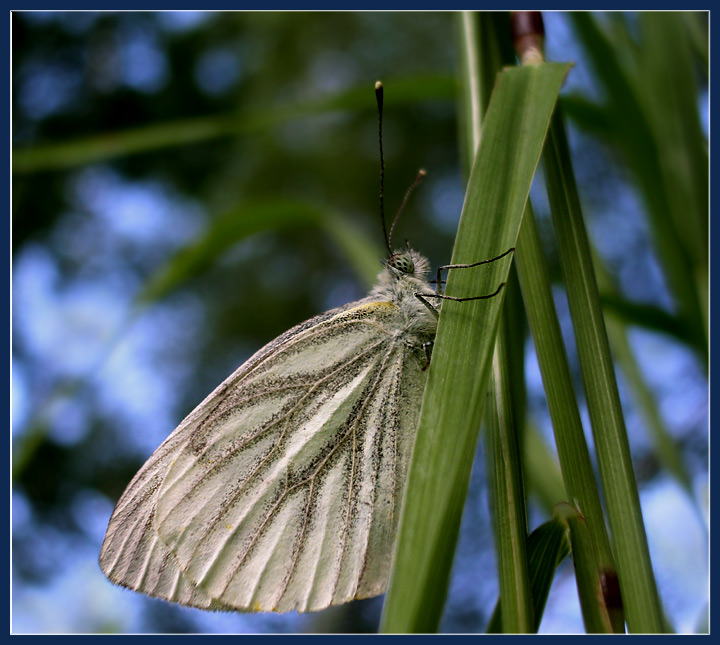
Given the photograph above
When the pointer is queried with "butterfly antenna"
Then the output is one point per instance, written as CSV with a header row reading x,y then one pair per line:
x,y
420,176
379,97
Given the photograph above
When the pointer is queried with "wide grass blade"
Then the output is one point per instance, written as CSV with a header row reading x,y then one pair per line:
x,y
512,139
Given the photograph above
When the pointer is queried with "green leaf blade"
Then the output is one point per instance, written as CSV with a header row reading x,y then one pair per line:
x,y
513,133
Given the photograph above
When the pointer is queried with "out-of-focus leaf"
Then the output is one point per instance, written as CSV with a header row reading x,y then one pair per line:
x,y
184,132
650,317
542,470
653,121
249,219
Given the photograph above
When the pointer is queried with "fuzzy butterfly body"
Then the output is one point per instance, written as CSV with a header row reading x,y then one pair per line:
x,y
281,491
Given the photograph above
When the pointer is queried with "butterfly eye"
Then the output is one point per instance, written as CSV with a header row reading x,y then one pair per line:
x,y
402,263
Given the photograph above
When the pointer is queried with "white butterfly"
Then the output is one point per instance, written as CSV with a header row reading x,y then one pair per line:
x,y
281,491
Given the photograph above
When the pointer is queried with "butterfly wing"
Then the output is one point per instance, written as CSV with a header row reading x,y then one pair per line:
x,y
132,553
281,491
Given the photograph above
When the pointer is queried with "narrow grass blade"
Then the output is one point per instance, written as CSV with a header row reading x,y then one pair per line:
x,y
637,582
572,448
450,418
507,494
666,450
665,447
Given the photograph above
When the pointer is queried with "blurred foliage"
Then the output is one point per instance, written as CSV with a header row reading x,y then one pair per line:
x,y
199,117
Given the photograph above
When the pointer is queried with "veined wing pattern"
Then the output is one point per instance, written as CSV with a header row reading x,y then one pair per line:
x,y
281,491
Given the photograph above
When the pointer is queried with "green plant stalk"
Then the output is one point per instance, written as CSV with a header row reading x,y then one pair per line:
x,y
597,615
452,408
580,485
637,582
472,89
508,497
484,50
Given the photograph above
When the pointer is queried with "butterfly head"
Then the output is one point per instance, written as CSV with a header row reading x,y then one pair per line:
x,y
407,263
402,262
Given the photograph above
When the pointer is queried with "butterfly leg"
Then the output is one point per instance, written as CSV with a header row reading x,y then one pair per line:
x,y
444,297
421,297
427,346
439,280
